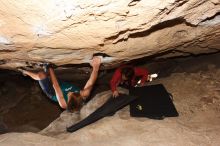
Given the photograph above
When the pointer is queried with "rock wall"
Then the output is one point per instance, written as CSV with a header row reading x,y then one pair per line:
x,y
69,32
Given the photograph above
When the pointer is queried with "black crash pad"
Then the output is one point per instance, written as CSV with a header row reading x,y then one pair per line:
x,y
153,102
111,106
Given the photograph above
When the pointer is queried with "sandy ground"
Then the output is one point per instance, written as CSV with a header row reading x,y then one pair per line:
x,y
196,97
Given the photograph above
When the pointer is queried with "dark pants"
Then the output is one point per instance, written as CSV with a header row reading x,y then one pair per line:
x,y
47,87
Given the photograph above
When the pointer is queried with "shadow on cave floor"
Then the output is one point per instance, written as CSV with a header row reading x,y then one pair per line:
x,y
24,107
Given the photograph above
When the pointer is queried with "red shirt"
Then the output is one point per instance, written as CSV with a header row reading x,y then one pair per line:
x,y
138,72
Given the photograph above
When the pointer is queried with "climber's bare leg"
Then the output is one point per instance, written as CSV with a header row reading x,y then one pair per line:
x,y
36,76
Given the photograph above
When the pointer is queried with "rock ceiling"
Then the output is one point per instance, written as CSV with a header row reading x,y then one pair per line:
x,y
69,32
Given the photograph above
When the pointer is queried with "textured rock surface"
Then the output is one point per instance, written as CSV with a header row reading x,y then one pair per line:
x,y
197,99
69,32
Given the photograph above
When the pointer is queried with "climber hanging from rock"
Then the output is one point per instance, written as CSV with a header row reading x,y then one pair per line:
x,y
66,94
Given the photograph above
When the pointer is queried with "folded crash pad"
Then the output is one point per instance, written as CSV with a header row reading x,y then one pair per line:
x,y
152,101
110,107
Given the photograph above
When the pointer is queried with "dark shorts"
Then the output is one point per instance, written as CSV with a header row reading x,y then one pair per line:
x,y
47,87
